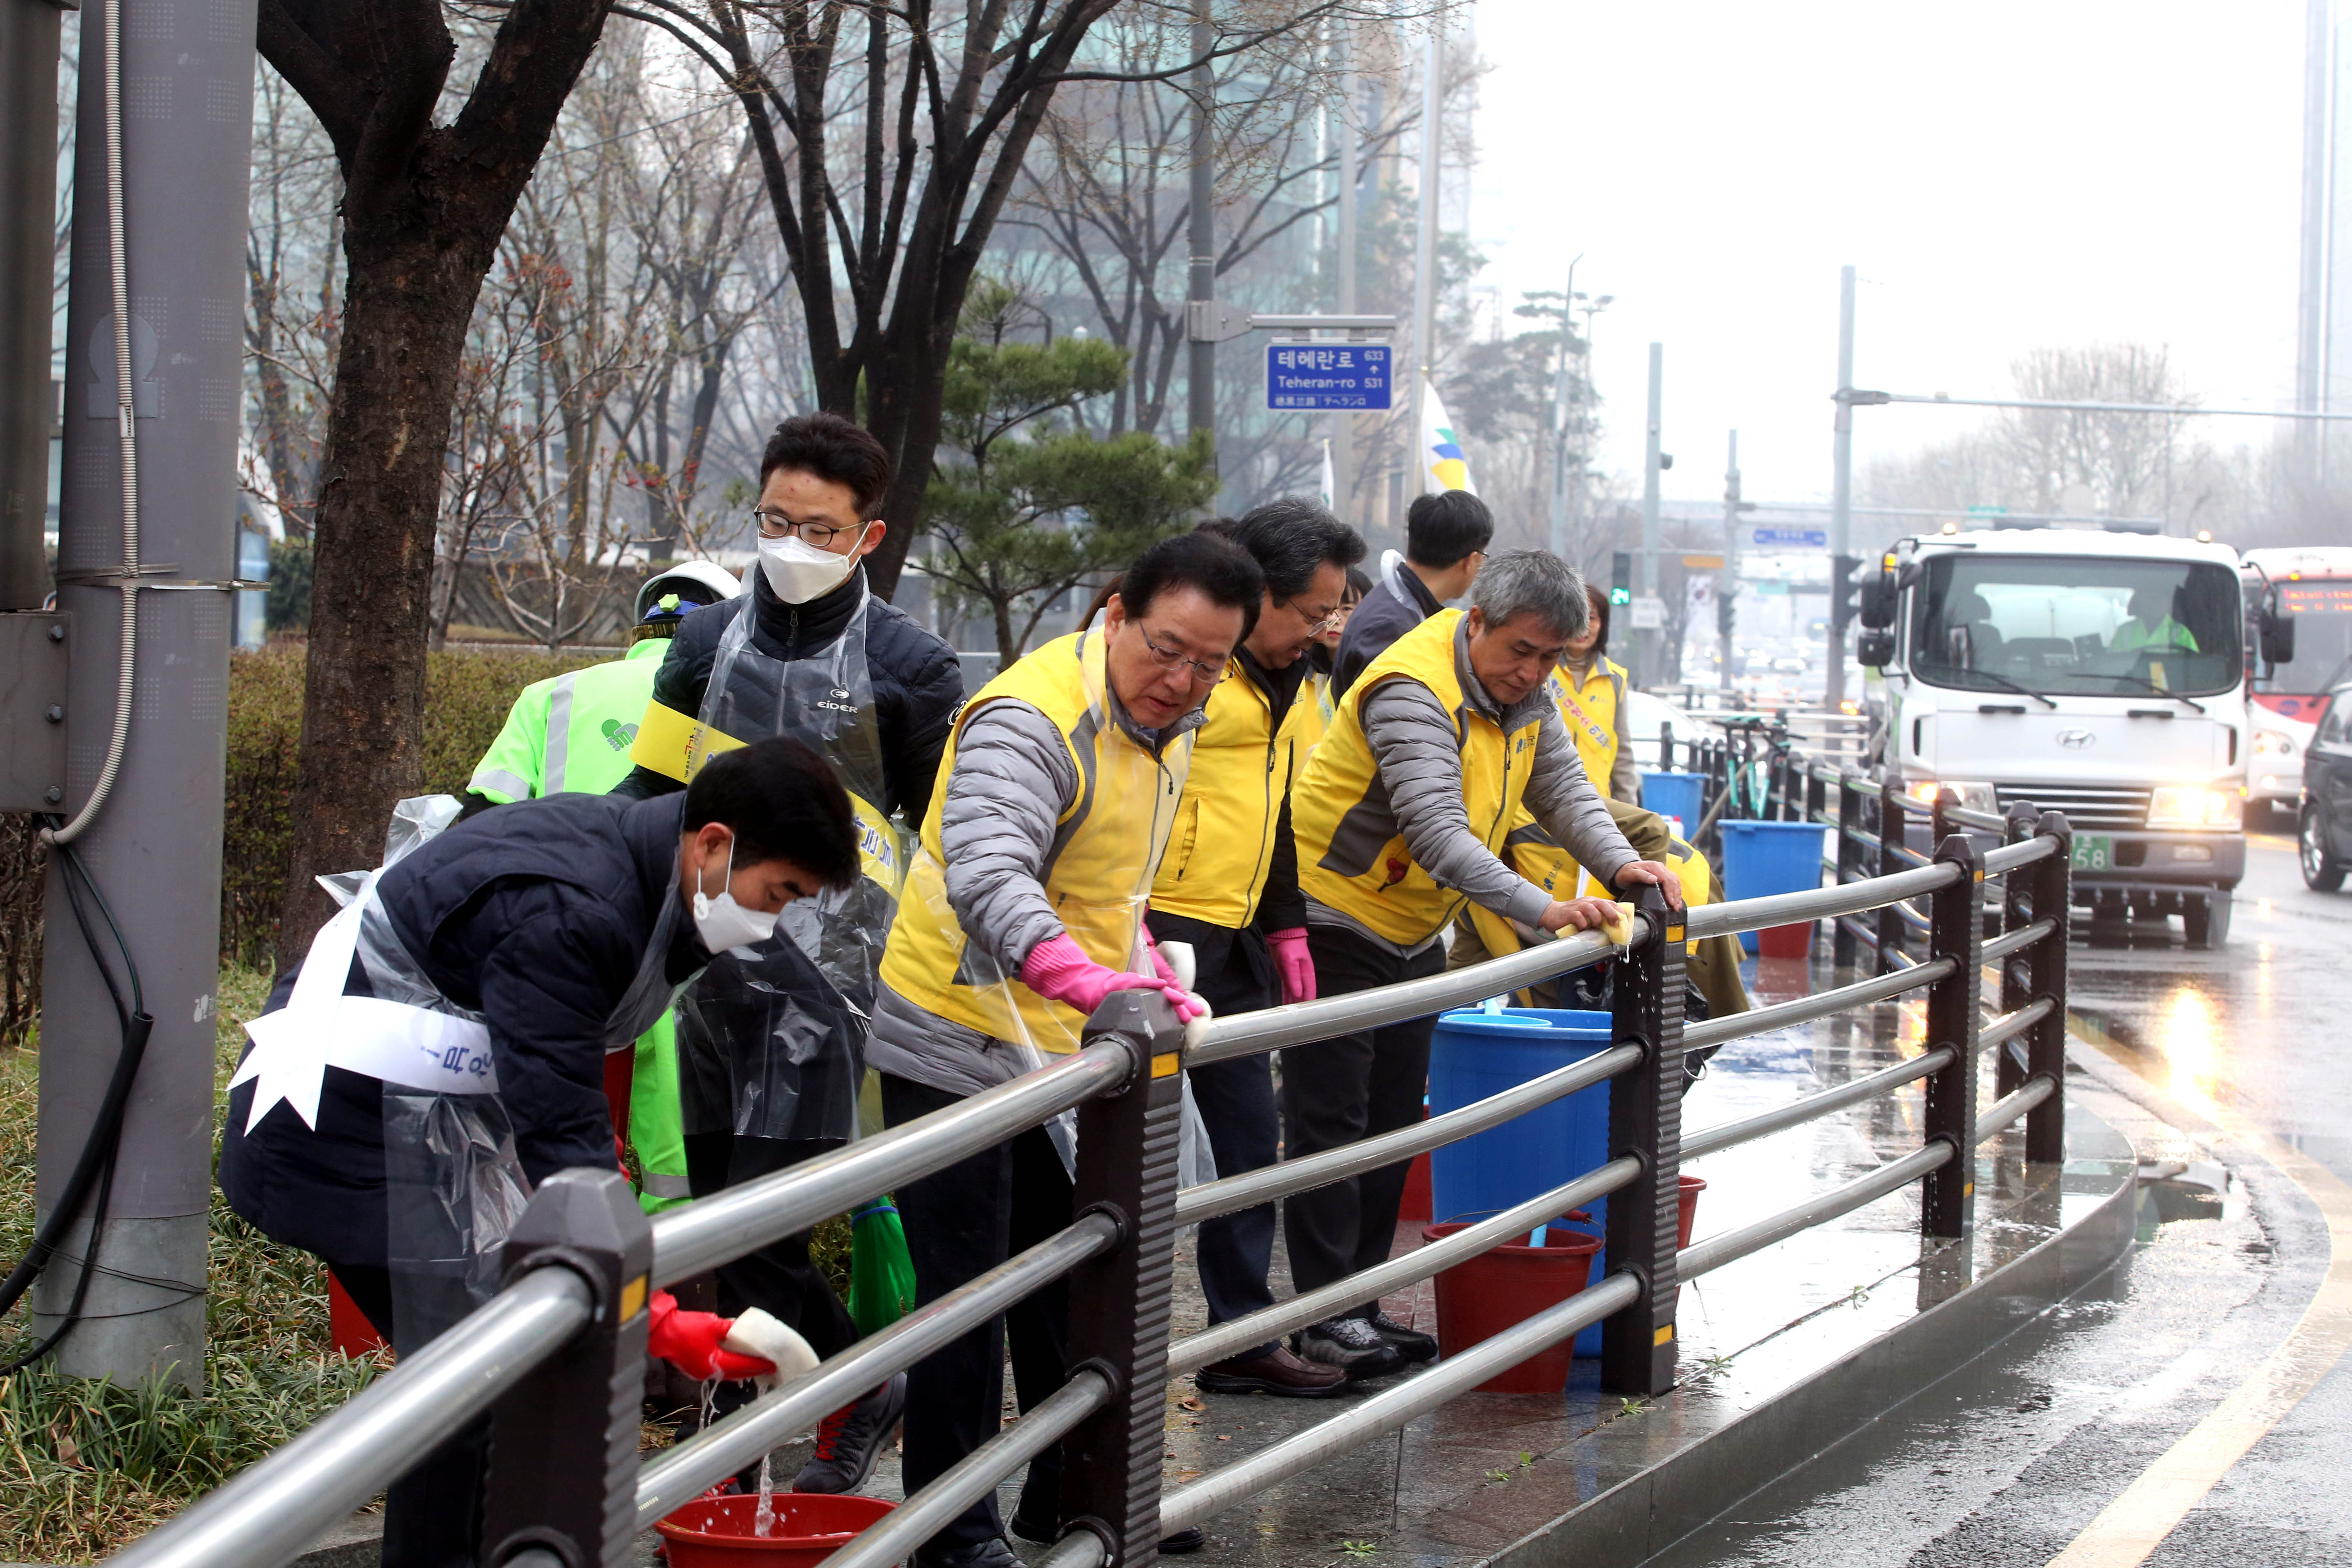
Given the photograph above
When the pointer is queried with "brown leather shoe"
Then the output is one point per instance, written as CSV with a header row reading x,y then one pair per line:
x,y
1277,1372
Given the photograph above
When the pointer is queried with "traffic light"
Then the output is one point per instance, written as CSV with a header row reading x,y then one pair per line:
x,y
1621,578
1844,594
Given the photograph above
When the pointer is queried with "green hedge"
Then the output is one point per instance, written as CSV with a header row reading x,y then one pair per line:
x,y
466,695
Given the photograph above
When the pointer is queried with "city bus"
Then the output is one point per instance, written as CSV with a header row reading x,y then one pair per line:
x,y
2314,586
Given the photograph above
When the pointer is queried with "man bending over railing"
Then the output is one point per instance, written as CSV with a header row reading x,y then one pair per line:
x,y
1400,817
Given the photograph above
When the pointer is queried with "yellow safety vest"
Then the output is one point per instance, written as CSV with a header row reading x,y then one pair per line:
x,y
1244,757
1098,876
1590,711
1375,880
1533,855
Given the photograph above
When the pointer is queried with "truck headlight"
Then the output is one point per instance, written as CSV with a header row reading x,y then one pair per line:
x,y
1974,797
2267,744
2195,806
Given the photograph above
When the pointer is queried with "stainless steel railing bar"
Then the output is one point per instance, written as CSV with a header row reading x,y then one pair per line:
x,y
893,1537
1805,1009
2008,1026
2010,1106
1251,1188
2024,853
682,1474
2017,940
1813,1107
1814,903
273,1512
1226,1338
1300,1023
1393,1407
1733,1245
727,1225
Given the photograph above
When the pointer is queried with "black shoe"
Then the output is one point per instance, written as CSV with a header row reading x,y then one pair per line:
x,y
1192,1538
1411,1343
852,1438
989,1554
1350,1345
1036,1531
1277,1372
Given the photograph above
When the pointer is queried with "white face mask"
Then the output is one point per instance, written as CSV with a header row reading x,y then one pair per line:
x,y
721,922
798,571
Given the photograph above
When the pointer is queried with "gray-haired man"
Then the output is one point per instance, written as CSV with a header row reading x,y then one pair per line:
x,y
1400,818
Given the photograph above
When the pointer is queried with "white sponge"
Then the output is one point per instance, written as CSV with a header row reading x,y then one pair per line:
x,y
761,1334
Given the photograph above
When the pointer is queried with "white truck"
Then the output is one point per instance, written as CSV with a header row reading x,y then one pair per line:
x,y
2101,674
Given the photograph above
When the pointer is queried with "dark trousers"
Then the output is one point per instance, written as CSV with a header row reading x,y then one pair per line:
x,y
1235,1099
780,1279
1348,1087
432,1515
961,1223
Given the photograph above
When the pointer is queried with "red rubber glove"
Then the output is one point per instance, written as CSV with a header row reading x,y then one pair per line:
x,y
1294,962
1059,970
689,1341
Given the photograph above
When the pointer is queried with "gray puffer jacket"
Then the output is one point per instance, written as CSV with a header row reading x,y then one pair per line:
x,y
1012,781
1419,794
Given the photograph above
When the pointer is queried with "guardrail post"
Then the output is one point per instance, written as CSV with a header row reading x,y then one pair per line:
x,y
2046,1049
1955,932
1843,948
2016,901
1646,1120
1125,1169
564,1442
1891,830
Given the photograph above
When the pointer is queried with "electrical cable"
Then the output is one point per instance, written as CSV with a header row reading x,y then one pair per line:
x,y
126,418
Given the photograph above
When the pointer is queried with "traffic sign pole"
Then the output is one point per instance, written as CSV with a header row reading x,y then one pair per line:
x,y
1840,490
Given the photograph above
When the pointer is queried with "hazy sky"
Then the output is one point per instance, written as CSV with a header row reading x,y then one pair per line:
x,y
2004,176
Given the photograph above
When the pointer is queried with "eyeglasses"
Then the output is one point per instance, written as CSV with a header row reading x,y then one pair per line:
x,y
1169,659
776,526
1331,623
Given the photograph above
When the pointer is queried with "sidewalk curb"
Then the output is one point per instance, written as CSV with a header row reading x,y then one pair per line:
x,y
1713,1474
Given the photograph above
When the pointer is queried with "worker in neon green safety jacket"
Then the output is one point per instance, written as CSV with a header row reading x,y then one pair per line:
x,y
572,735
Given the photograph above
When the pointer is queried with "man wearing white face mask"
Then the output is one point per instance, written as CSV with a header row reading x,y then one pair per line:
x,y
545,932
809,652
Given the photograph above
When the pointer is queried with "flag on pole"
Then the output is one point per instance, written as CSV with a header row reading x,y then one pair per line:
x,y
1442,465
1330,481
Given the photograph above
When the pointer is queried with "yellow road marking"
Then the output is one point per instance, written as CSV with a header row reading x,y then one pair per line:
x,y
2147,1511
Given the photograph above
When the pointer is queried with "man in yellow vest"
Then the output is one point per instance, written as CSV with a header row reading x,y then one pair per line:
x,y
1401,816
1228,888
1024,909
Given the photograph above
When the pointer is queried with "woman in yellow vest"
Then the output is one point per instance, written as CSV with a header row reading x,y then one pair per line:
x,y
1321,658
1400,818
1592,701
1024,909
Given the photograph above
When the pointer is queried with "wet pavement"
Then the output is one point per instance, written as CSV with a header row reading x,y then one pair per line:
x,y
2209,1062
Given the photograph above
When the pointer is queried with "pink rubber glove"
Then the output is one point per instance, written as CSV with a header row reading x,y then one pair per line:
x,y
1294,962
689,1341
1059,970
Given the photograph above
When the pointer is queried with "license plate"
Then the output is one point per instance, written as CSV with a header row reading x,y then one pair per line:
x,y
2094,851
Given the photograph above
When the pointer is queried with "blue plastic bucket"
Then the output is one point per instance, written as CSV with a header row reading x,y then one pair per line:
x,y
1760,859
1674,795
1474,1055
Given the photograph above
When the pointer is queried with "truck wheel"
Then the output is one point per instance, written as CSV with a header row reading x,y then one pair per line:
x,y
2207,921
2322,872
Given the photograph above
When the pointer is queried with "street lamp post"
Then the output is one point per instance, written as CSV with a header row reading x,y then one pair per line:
x,y
1559,416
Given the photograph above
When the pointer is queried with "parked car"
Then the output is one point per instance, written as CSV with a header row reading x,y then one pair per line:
x,y
2324,833
2275,782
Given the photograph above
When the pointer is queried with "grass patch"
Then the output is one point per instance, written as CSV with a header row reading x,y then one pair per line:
x,y
86,1466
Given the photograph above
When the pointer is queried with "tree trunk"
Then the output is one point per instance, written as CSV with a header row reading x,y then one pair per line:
x,y
379,497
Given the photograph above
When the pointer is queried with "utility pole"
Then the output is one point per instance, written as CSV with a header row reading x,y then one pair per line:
x,y
1343,424
1425,288
153,846
1652,638
1559,416
2311,273
1727,582
1841,491
28,204
1200,374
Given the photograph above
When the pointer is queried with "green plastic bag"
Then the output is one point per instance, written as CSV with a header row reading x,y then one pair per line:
x,y
881,1273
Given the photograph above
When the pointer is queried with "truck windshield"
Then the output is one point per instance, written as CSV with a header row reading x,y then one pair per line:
x,y
2087,625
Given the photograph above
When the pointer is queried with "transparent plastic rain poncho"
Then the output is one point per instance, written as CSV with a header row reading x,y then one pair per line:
x,y
771,1039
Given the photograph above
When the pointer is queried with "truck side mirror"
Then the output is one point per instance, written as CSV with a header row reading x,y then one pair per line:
x,y
1874,604
2278,638
1873,646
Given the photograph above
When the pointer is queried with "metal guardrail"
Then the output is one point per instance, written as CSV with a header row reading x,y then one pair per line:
x,y
554,1358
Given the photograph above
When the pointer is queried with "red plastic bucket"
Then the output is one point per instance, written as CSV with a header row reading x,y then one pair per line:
x,y
716,1531
1498,1289
1687,1209
1785,941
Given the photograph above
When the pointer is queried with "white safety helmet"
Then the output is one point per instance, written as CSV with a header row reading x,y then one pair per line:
x,y
696,583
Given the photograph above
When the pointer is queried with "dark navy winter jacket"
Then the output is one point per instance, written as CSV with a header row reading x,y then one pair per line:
x,y
537,917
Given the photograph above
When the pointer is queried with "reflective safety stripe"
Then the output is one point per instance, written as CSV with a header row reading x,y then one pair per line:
x,y
488,779
559,733
662,1183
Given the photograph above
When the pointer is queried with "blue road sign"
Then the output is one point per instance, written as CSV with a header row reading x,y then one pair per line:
x,y
1327,375
1788,538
